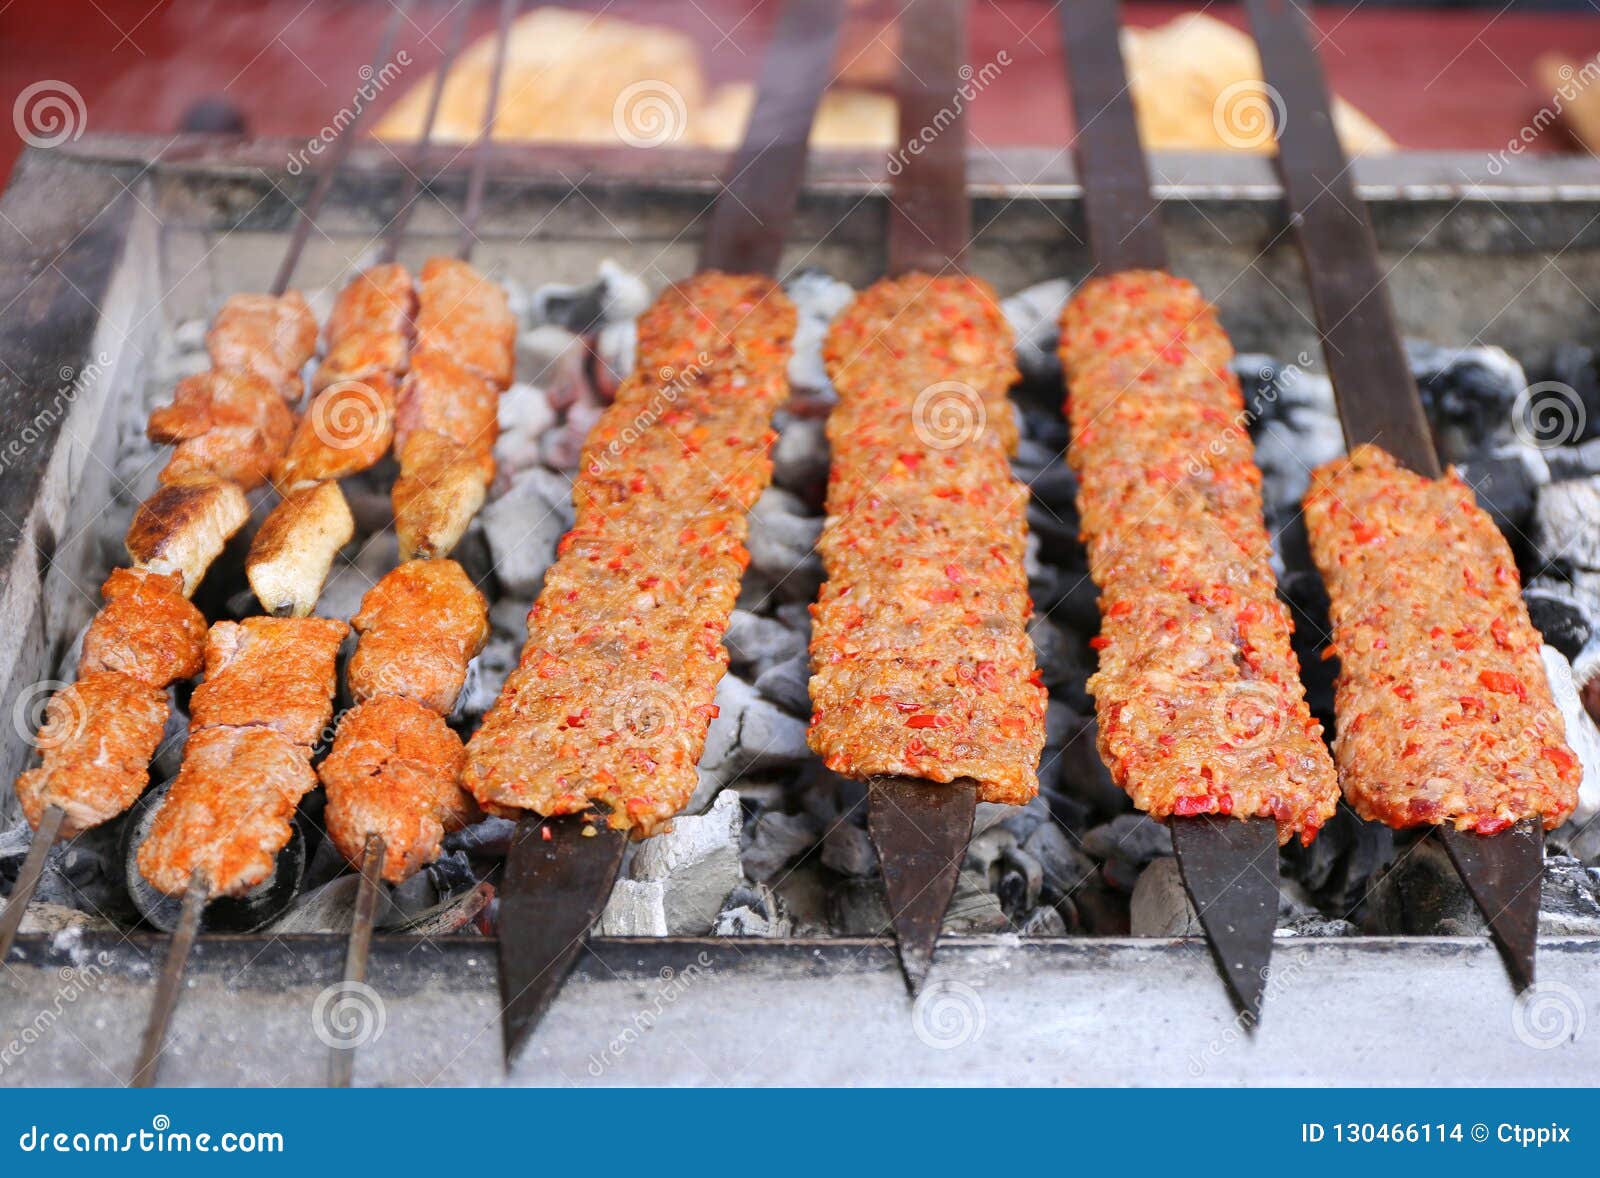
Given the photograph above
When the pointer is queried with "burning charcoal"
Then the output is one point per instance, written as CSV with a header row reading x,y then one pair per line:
x,y
787,684
696,863
1569,902
352,577
858,908
1030,459
1065,867
1057,488
525,414
1035,314
1582,735
986,849
755,737
1022,821
1468,393
782,545
752,912
614,296
1084,775
1160,906
1314,924
1021,881
490,838
1062,657
847,850
1337,868
1301,436
973,910
1133,839
1566,524
776,841
755,643
1505,482
327,909
487,673
614,352
800,460
828,797
797,616
552,358
636,908
458,912
524,526
1043,921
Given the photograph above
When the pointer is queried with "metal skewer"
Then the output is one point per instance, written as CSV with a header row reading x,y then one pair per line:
x,y
28,878
1378,401
341,1065
558,877
1229,866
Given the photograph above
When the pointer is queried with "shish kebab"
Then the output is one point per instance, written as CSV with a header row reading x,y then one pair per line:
x,y
229,426
608,708
923,678
1444,713
395,761
1202,717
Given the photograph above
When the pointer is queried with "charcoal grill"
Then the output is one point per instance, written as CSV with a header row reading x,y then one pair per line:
x,y
99,231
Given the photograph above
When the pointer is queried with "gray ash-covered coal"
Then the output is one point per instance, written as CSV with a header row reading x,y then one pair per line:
x,y
774,845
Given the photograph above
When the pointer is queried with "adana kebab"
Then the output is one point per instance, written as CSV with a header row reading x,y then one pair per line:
x,y
1444,714
614,691
921,661
1198,692
228,425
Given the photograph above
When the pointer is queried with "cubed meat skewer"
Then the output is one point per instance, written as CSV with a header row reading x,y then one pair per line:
x,y
270,335
612,698
921,662
1445,715
1198,693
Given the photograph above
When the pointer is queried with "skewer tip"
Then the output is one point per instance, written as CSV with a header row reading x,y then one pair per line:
x,y
1230,870
1504,873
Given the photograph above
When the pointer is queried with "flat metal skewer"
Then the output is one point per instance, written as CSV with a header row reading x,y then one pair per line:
x,y
28,878
557,878
342,1061
171,982
1229,866
482,149
1377,398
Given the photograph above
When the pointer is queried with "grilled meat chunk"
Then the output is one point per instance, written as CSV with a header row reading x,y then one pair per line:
x,y
270,335
1198,693
146,629
445,398
921,662
276,673
346,430
224,425
463,315
614,692
420,626
393,772
440,488
182,528
292,553
1444,711
369,332
95,748
228,812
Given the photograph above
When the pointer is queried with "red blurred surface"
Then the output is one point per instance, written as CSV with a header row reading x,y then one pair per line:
x,y
1432,79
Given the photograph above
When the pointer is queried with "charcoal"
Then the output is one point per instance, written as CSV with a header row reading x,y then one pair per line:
x,y
800,460
637,908
614,351
1030,458
1022,821
1043,921
973,909
1468,393
858,908
986,850
525,414
1566,525
788,684
1294,443
1057,531
1099,910
1056,488
1573,462
755,644
1084,774
524,526
553,359
1021,882
1034,314
1337,868
615,295
1582,735
818,297
1505,483
748,734
753,920
353,574
1316,925
1574,367
490,837
775,841
1065,867
1422,894
1132,839
847,850
828,796
782,544
696,863
1160,906
1569,901
797,616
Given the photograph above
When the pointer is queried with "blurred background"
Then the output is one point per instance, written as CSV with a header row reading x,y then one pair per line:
x,y
1417,77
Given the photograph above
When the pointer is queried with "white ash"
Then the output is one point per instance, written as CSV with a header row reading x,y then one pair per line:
x,y
1035,317
818,298
637,908
1566,525
696,863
